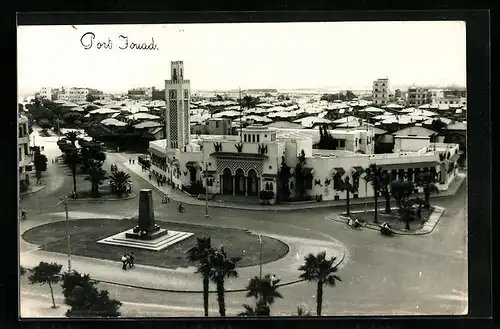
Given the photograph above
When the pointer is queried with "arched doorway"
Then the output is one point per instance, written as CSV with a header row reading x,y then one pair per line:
x,y
252,183
227,182
239,183
192,174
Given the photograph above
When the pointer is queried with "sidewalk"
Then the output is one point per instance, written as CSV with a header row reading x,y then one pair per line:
x,y
180,196
180,280
31,190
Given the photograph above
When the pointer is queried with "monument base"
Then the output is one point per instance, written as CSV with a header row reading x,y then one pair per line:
x,y
155,233
163,239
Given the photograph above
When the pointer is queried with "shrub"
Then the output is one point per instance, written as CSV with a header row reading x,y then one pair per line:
x,y
266,195
195,188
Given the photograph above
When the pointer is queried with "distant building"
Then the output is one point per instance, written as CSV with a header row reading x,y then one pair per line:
x,y
24,158
46,93
142,93
177,109
456,97
73,95
418,96
213,126
380,91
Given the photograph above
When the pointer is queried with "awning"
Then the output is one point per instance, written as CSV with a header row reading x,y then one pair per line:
x,y
239,155
454,157
339,171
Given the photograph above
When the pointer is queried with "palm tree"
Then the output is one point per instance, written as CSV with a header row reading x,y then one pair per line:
x,y
201,254
319,269
385,183
120,180
349,188
96,176
427,181
72,136
264,290
373,175
222,267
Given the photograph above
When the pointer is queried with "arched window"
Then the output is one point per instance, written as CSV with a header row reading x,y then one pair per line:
x,y
267,186
271,188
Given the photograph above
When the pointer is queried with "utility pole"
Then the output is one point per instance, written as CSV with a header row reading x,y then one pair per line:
x,y
206,185
241,112
64,201
260,257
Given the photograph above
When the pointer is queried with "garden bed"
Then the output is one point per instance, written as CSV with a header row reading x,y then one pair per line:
x,y
393,218
86,232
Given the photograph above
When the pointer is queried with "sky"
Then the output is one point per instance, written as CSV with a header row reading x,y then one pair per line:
x,y
342,55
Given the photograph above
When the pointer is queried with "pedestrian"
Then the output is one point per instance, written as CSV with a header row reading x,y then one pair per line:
x,y
133,161
124,261
149,176
273,279
129,160
131,260
158,181
117,149
129,189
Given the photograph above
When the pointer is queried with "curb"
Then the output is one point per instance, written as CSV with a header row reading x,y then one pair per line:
x,y
201,291
285,207
441,211
31,192
197,291
130,197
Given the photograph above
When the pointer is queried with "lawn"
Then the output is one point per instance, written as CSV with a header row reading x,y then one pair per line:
x,y
393,218
86,232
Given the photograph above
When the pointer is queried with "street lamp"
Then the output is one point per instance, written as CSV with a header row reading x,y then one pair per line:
x,y
206,182
260,257
64,201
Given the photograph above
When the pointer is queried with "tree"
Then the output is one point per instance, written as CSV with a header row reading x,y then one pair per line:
x,y
427,180
373,174
284,177
438,126
319,269
40,162
350,95
46,273
96,176
72,136
90,98
401,191
22,270
120,180
264,290
72,158
44,124
222,267
73,279
201,254
300,178
349,188
385,183
88,301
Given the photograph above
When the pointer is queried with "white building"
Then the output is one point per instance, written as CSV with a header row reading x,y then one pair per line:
x,y
46,92
73,95
24,157
250,163
380,91
418,96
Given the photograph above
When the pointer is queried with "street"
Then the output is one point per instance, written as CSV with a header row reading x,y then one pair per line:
x,y
381,276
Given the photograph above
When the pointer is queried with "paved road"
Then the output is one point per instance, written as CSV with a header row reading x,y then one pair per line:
x,y
401,275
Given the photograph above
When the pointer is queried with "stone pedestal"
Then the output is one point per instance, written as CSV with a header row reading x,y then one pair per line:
x,y
147,229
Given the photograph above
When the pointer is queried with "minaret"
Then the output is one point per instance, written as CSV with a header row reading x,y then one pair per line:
x,y
177,93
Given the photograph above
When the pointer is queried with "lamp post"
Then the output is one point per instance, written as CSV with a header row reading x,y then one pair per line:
x,y
260,257
206,182
64,201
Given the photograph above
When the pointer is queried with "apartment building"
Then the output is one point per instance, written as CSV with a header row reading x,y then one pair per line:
x,y
418,96
380,91
24,157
